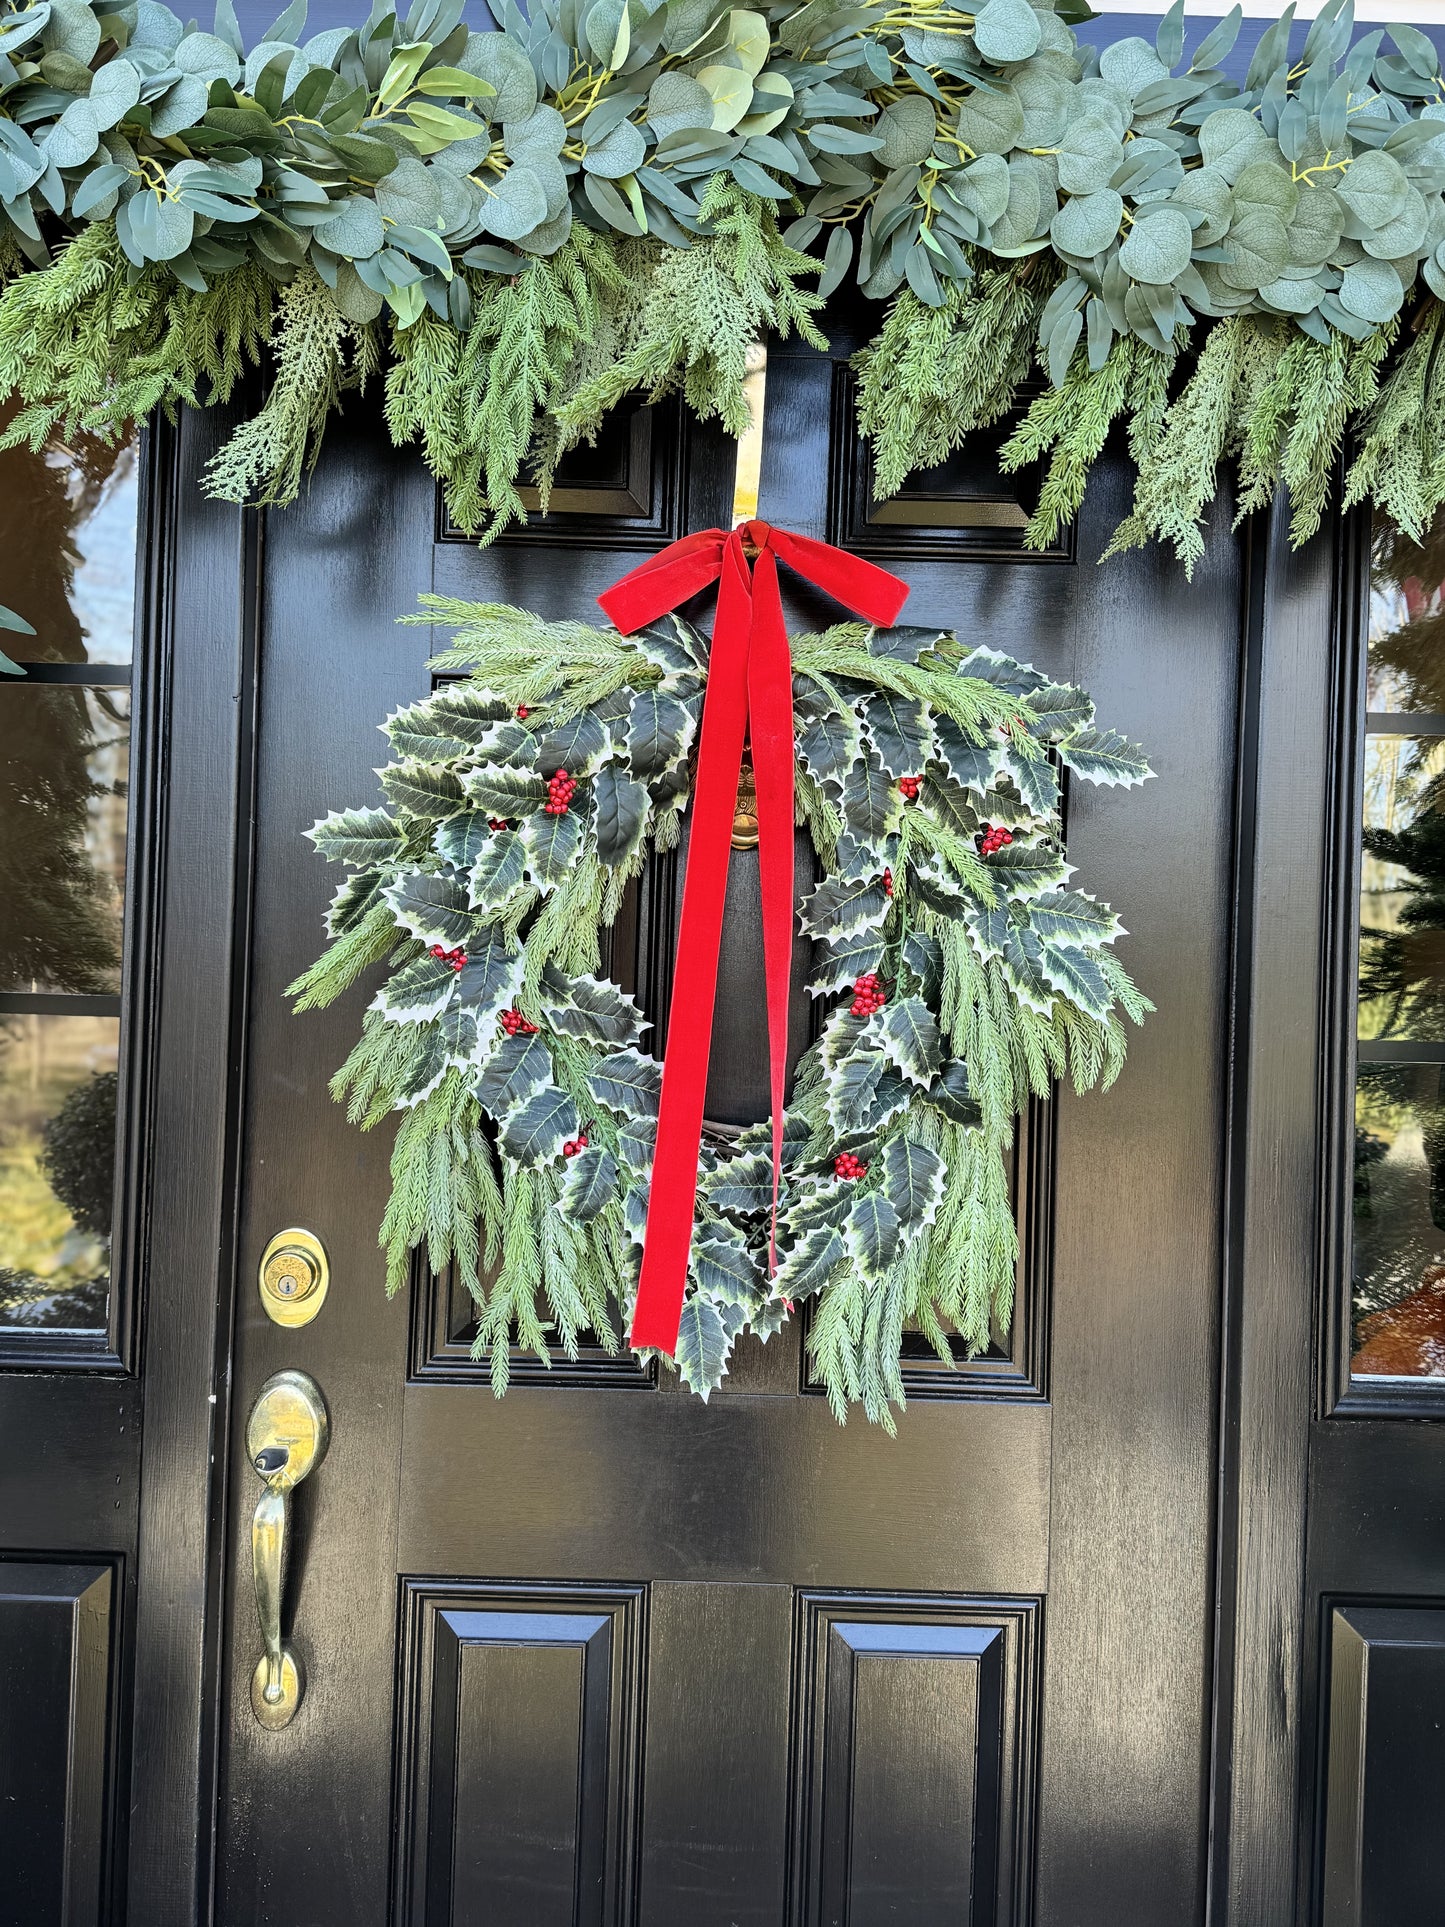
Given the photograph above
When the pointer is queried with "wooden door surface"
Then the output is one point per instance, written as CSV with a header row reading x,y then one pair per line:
x,y
597,1652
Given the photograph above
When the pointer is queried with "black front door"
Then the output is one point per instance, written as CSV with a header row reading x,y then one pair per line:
x,y
597,1652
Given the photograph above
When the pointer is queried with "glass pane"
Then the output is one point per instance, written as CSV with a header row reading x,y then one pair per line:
x,y
1399,1268
64,767
68,549
1407,622
57,1169
1402,889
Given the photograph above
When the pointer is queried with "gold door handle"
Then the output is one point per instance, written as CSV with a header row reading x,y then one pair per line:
x,y
286,1438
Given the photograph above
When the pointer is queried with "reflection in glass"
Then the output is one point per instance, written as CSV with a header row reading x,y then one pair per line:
x,y
64,769
1407,622
1402,889
68,549
57,1169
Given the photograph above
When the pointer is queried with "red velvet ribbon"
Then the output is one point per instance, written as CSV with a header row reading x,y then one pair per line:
x,y
749,694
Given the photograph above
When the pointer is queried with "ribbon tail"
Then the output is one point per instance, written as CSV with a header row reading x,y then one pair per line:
x,y
673,1192
770,710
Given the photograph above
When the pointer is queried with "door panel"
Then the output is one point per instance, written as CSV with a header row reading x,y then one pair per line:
x,y
779,1669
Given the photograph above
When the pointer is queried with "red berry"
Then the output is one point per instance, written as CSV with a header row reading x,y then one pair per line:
x,y
909,785
888,883
522,712
848,1167
514,1023
496,822
438,950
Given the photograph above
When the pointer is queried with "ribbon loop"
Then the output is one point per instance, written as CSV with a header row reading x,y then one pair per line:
x,y
749,693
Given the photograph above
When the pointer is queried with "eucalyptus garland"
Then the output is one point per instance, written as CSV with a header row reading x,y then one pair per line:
x,y
515,229
960,970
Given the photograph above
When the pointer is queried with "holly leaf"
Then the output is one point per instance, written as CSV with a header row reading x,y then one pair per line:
x,y
988,927
898,730
358,836
577,746
1104,756
503,791
891,1095
425,1068
949,803
535,1132
743,1186
627,1082
872,801
1023,967
1028,869
872,1235
909,1036
970,764
1058,708
589,1184
637,1144
913,1179
422,789
461,1035
621,814
419,731
417,992
703,1344
849,1089
516,1070
467,710
907,642
1078,975
843,964
725,1269
843,907
811,1262
1033,774
433,908
949,1093
552,845
461,839
987,665
590,1007
498,871
828,744
492,974
352,901
659,729
1073,918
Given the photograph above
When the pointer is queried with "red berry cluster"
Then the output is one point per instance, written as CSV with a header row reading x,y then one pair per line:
x,y
993,839
513,1023
560,792
868,995
574,1145
888,884
456,958
522,712
845,1165
910,785
496,822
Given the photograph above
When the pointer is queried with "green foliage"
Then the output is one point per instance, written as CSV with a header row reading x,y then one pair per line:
x,y
527,1106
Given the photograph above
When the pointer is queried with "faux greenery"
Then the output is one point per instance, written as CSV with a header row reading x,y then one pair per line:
x,y
961,969
513,229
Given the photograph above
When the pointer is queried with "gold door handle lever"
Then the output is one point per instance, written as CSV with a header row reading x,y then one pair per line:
x,y
286,1438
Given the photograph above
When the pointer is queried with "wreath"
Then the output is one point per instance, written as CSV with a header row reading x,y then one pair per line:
x,y
960,971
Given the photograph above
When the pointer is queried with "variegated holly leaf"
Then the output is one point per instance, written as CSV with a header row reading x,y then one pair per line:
x,y
872,1235
823,1205
358,836
426,1067
672,643
1023,967
842,1035
659,730
950,804
969,763
725,1269
743,1186
552,845
1028,869
908,1032
417,992
897,727
433,908
856,859
1073,919
352,901
516,1070
492,974
913,1178
503,791
844,907
1005,807
1033,774
422,732
811,1262
536,1131
498,871
461,839
950,1093
872,800
987,665
627,1082
842,964
620,814
421,789
703,1344
637,1145
828,744
634,1213
907,642
849,1089
590,1007
1104,756
934,880
467,710
891,1096
988,927
458,1026
577,746
1058,708
1079,975
759,1137
589,1184
924,958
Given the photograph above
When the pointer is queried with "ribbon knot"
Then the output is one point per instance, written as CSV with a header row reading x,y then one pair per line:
x,y
749,696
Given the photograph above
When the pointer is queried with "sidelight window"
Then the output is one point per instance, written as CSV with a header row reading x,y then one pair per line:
x,y
1398,1284
67,568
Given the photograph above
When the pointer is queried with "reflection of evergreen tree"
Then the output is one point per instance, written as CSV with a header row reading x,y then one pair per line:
x,y
1404,968
59,928
1415,650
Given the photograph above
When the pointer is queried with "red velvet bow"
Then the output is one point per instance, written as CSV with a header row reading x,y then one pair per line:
x,y
749,693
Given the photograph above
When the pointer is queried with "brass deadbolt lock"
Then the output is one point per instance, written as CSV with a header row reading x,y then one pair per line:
x,y
293,1278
